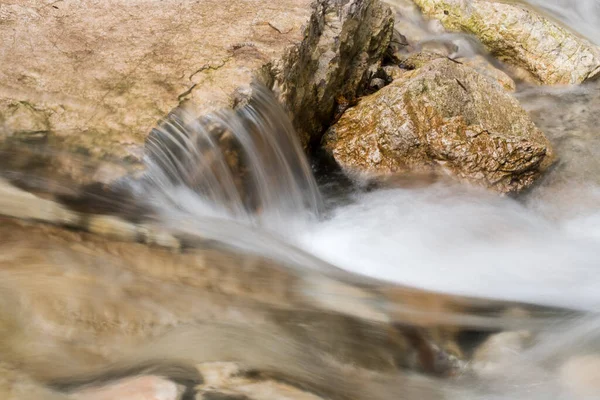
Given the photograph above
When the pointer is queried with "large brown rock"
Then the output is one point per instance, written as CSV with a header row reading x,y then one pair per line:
x,y
519,35
442,116
99,75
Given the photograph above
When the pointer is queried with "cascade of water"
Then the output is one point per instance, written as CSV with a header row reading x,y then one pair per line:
x,y
245,164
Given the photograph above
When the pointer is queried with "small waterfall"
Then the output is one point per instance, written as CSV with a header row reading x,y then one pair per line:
x,y
241,177
245,164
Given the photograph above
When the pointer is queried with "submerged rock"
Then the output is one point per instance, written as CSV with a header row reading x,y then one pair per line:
x,y
492,357
135,388
446,116
229,381
571,188
98,76
521,37
580,375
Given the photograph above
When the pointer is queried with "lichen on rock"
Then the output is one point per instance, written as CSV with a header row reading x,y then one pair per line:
x,y
342,48
442,116
520,36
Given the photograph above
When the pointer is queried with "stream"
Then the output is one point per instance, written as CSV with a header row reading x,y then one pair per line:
x,y
541,247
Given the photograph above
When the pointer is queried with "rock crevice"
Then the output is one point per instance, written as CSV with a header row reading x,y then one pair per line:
x,y
342,49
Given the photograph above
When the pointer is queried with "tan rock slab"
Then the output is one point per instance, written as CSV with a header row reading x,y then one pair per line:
x,y
99,75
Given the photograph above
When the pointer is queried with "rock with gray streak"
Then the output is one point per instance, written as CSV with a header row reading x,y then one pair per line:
x,y
444,116
98,76
342,48
518,35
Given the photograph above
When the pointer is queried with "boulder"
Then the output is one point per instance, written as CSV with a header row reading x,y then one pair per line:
x,y
445,116
98,76
518,35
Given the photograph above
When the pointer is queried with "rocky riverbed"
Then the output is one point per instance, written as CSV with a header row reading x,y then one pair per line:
x,y
159,209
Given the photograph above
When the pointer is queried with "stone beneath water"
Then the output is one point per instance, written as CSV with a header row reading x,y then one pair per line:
x,y
99,76
229,381
581,376
521,37
442,116
493,356
135,388
567,117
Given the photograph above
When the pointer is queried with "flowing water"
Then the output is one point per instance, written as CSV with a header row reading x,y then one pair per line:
x,y
582,16
540,248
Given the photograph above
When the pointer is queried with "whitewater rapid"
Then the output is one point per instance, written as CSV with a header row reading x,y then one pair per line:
x,y
464,241
542,248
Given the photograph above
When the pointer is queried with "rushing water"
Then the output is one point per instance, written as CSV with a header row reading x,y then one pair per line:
x,y
459,240
244,164
582,16
540,248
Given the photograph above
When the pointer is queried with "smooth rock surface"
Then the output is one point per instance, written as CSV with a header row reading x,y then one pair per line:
x,y
581,376
135,388
442,116
521,37
99,75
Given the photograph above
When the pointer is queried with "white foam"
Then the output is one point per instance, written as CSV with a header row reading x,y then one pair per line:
x,y
464,242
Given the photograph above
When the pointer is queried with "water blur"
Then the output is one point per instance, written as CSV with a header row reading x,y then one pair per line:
x,y
241,177
246,165
443,236
582,16
541,247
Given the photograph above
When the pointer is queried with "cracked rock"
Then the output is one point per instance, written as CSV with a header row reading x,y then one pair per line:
x,y
443,116
103,74
342,49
